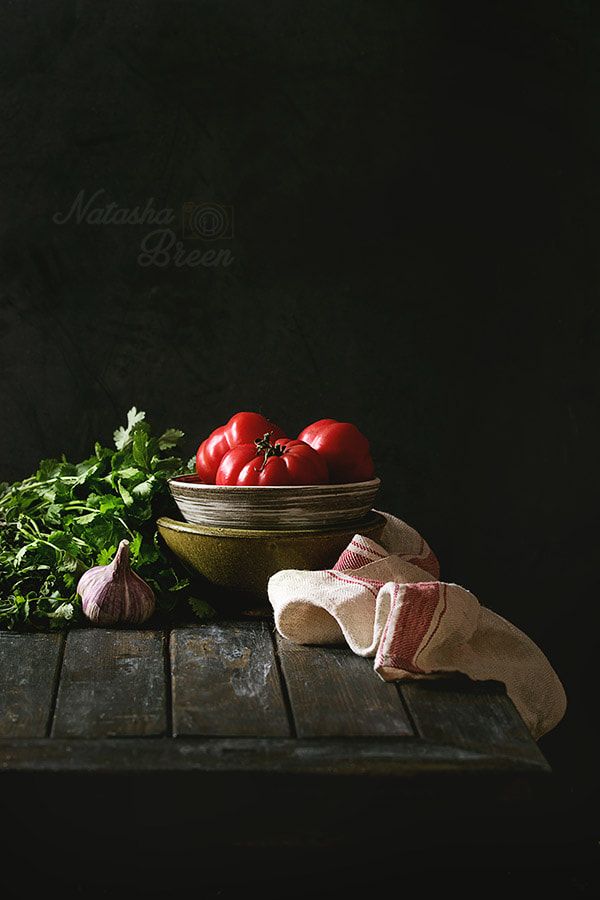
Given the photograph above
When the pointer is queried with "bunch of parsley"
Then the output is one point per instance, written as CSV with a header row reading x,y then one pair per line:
x,y
69,517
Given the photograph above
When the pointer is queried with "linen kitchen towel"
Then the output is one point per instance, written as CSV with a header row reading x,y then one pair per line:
x,y
386,601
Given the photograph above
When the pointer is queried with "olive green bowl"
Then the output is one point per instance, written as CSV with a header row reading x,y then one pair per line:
x,y
244,559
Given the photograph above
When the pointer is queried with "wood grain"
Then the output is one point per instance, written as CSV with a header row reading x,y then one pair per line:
x,y
225,682
474,715
228,697
112,685
335,693
29,665
333,757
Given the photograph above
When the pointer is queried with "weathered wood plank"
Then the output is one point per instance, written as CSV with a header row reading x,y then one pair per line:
x,y
112,685
335,693
226,683
474,715
29,665
362,756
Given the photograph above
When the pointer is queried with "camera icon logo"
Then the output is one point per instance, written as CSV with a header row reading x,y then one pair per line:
x,y
207,221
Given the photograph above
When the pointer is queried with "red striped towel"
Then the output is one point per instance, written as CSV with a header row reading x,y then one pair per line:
x,y
386,601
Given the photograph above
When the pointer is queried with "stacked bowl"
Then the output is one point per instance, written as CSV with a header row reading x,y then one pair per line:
x,y
238,536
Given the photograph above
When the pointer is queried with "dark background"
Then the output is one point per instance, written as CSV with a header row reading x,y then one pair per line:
x,y
414,251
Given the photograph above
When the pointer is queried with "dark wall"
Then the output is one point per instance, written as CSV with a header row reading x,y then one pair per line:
x,y
412,251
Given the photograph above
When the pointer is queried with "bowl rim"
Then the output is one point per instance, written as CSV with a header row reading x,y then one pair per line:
x,y
184,480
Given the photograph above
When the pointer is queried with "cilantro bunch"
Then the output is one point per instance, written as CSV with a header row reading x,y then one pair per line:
x,y
68,517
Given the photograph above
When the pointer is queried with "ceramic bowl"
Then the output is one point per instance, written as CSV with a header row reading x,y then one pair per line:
x,y
278,508
244,559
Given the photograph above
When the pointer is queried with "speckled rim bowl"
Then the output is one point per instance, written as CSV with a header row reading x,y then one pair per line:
x,y
244,559
277,507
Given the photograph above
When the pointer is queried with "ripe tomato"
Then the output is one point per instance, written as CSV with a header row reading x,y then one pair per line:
x,y
345,448
272,463
243,428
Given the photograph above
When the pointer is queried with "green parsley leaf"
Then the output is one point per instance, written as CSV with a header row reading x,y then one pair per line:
x,y
122,436
170,438
202,610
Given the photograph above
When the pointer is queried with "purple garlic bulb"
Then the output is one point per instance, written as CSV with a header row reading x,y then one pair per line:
x,y
114,593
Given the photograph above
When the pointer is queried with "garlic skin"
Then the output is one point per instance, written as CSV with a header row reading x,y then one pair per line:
x,y
115,594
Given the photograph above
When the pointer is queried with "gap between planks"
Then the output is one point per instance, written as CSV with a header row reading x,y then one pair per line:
x,y
282,681
57,674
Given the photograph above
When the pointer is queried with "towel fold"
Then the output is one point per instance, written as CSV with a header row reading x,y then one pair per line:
x,y
386,601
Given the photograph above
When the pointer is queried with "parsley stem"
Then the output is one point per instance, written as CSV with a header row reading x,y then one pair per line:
x,y
39,539
125,526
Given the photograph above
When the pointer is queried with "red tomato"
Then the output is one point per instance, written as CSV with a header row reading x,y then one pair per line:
x,y
243,428
345,449
264,462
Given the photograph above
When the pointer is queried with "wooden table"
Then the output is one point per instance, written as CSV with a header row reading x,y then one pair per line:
x,y
247,741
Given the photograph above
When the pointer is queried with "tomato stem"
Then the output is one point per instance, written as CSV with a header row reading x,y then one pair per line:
x,y
264,445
